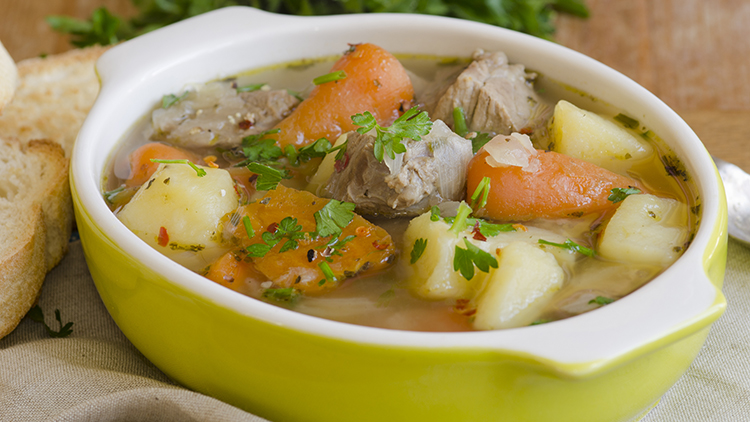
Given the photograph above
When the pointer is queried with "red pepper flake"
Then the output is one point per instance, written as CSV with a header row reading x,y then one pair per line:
x,y
478,234
245,124
463,307
379,246
341,164
273,228
163,239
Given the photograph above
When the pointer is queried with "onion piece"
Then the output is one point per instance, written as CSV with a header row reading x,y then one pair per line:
x,y
513,150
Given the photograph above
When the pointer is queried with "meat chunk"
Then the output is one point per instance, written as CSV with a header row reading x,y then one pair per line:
x,y
215,114
429,172
497,97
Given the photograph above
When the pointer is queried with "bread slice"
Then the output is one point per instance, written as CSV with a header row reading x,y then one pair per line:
x,y
35,222
54,96
8,77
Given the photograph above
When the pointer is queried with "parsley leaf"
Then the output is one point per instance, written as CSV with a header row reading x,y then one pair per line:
x,y
319,148
570,245
268,177
460,222
464,260
333,217
478,141
459,122
619,194
170,99
419,247
199,171
37,315
286,229
330,77
627,121
483,188
251,87
388,140
288,294
601,301
257,149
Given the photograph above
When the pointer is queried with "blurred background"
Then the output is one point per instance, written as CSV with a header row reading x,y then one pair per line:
x,y
693,54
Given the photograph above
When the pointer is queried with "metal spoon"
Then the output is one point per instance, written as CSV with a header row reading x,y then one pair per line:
x,y
737,187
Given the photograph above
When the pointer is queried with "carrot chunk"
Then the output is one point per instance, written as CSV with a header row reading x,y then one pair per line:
x,y
233,272
563,186
375,81
316,263
141,166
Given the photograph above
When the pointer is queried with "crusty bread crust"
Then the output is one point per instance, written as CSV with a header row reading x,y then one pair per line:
x,y
35,219
8,77
54,96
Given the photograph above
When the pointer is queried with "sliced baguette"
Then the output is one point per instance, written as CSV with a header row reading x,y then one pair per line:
x,y
35,220
8,77
54,96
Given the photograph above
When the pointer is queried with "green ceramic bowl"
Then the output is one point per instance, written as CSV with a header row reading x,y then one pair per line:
x,y
612,364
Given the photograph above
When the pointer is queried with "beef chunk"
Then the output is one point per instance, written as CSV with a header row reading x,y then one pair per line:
x,y
429,172
216,115
497,97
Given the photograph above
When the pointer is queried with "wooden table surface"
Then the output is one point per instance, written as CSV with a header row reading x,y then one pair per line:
x,y
693,54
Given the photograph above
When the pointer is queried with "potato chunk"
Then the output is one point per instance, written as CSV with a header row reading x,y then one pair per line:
x,y
646,229
433,277
590,137
525,280
179,213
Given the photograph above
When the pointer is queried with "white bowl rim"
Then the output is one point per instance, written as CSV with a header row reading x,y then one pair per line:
x,y
682,299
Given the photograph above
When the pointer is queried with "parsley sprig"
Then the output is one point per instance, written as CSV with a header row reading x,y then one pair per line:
x,y
37,315
465,260
570,245
286,229
388,140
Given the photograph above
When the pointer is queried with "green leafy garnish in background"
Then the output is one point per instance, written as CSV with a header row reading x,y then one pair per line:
x,y
37,315
535,17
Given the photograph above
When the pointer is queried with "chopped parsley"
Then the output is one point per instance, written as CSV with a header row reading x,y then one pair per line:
x,y
199,171
411,125
465,260
286,229
319,148
251,87
327,272
434,213
333,217
601,301
248,227
460,221
627,121
483,189
268,177
37,315
330,77
170,99
478,141
619,194
459,122
419,247
461,129
288,294
570,245
257,149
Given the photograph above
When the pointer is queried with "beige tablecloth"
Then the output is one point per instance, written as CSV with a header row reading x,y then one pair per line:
x,y
96,374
